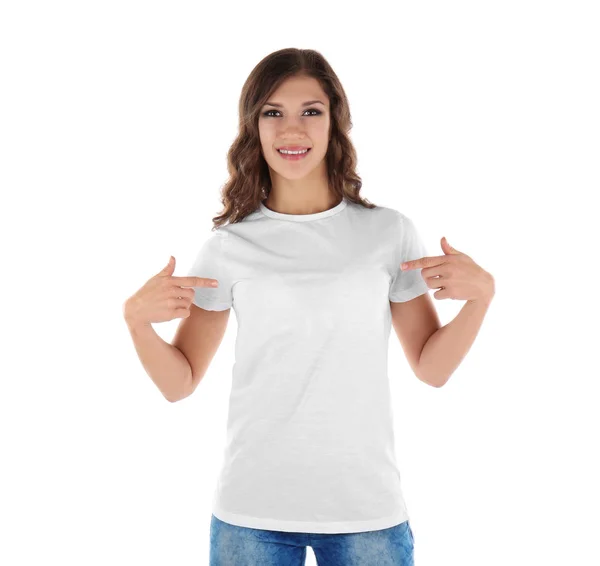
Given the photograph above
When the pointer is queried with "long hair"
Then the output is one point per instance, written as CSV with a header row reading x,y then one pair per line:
x,y
249,180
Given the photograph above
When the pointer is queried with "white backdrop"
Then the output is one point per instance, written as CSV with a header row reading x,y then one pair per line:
x,y
478,120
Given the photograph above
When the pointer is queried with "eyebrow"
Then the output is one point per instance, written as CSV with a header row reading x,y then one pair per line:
x,y
277,105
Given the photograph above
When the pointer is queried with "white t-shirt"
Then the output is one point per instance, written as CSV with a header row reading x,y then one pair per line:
x,y
310,439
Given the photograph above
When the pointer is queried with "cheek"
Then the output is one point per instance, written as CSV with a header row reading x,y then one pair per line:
x,y
265,132
319,130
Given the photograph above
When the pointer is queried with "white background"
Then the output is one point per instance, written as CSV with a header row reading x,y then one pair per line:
x,y
479,120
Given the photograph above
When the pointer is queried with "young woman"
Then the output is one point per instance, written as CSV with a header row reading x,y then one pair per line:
x,y
313,273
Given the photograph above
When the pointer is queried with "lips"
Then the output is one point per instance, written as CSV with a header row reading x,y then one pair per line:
x,y
296,156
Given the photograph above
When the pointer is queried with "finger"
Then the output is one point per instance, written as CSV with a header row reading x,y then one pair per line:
x,y
435,282
435,271
183,292
428,261
191,281
442,293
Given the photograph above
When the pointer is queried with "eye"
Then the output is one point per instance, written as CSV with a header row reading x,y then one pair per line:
x,y
267,114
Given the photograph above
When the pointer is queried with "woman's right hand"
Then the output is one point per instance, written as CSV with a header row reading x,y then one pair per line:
x,y
163,297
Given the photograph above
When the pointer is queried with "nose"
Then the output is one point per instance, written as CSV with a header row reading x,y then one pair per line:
x,y
291,125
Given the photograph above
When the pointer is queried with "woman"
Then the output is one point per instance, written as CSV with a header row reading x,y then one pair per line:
x,y
313,272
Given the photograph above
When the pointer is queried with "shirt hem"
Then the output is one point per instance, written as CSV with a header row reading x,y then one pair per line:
x,y
313,527
210,305
418,289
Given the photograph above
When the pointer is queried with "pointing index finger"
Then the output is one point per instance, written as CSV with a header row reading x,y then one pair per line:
x,y
427,261
191,281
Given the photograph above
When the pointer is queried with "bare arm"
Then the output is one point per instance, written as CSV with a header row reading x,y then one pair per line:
x,y
166,365
445,349
198,337
415,321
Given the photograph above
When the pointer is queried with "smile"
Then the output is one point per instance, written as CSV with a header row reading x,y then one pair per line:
x,y
294,156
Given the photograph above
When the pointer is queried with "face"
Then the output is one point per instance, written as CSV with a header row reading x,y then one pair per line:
x,y
289,121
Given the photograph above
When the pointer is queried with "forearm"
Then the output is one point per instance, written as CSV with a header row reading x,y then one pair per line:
x,y
165,364
445,349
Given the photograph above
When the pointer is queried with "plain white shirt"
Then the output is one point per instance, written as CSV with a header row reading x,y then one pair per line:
x,y
310,437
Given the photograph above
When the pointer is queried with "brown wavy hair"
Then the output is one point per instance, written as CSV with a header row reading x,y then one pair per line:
x,y
249,179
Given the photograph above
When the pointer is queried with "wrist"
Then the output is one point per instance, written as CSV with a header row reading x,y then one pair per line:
x,y
132,322
485,300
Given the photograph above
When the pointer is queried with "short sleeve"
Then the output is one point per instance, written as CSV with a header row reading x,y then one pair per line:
x,y
210,262
407,285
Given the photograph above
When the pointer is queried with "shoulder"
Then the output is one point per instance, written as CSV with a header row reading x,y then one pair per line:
x,y
393,215
400,220
385,220
381,215
231,239
213,241
395,227
241,226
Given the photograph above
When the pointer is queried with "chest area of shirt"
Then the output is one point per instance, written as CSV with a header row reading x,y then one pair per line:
x,y
318,282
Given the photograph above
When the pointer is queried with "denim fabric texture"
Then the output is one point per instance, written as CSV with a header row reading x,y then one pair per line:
x,y
232,545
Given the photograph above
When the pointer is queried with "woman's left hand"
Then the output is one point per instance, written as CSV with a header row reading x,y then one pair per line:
x,y
458,276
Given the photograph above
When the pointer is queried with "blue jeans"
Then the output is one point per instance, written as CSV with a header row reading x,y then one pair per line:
x,y
231,545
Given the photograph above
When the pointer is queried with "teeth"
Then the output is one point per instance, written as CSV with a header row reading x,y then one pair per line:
x,y
292,152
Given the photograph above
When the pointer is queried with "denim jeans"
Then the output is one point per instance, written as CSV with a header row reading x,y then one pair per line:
x,y
231,545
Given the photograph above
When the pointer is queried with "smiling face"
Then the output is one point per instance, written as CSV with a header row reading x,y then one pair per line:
x,y
295,118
